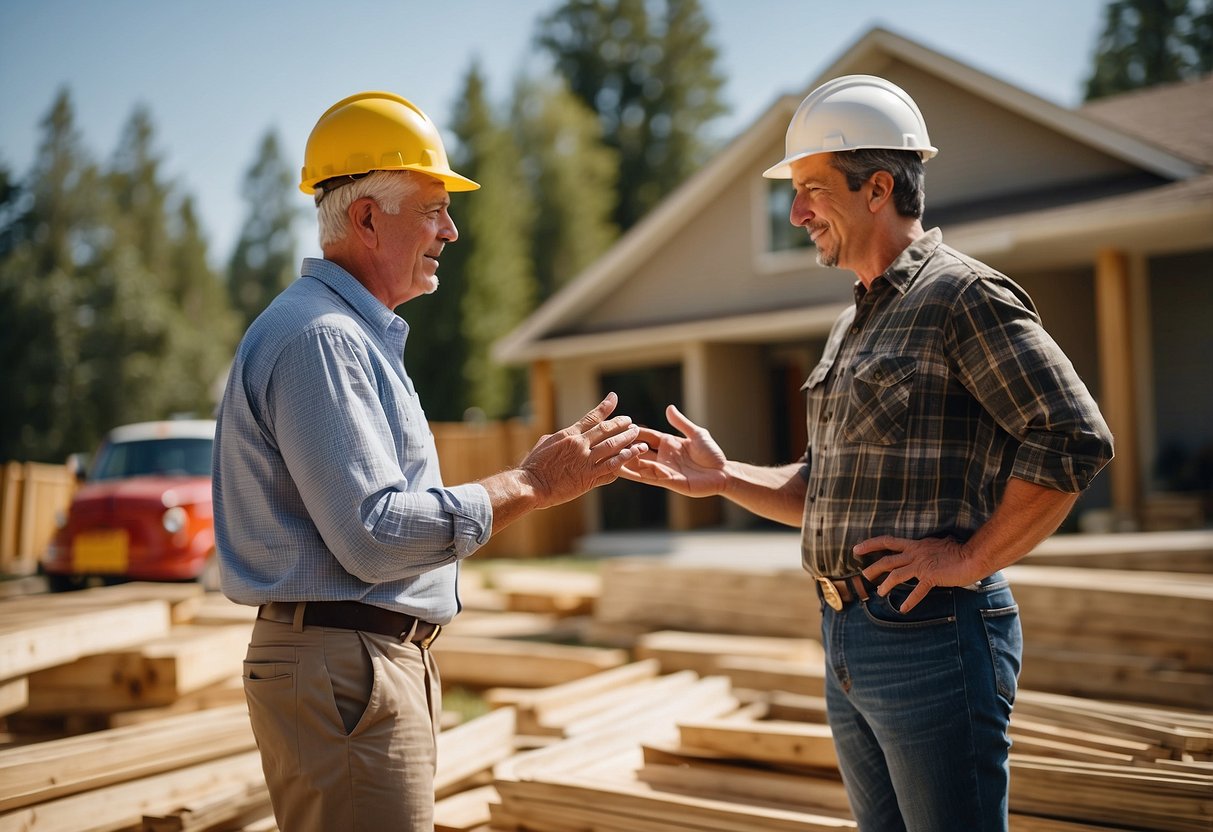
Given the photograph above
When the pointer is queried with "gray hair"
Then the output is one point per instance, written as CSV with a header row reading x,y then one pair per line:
x,y
905,166
389,188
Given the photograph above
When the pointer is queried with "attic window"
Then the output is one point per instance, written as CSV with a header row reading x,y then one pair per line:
x,y
782,235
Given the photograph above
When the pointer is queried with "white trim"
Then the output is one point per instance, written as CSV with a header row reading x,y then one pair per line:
x,y
762,327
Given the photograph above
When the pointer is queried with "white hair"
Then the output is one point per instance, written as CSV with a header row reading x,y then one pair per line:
x,y
389,188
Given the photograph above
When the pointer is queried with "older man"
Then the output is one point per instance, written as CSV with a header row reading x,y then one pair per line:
x,y
331,515
948,435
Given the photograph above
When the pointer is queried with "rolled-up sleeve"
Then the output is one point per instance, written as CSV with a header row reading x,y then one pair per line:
x,y
1019,374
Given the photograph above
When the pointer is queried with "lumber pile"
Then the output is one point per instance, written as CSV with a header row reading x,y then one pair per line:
x,y
709,716
1136,635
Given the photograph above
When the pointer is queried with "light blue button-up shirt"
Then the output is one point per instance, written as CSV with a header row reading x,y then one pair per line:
x,y
326,479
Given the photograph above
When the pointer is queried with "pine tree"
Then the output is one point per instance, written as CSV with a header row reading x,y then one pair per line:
x,y
53,227
1149,42
264,261
491,270
572,176
652,79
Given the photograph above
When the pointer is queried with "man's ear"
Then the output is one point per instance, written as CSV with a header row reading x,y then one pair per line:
x,y
361,215
880,189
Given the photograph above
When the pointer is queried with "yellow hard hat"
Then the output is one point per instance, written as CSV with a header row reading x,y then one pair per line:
x,y
374,131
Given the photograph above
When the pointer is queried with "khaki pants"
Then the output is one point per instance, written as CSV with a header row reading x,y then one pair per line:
x,y
347,724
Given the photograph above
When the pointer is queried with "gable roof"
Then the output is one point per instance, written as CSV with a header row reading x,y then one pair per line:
x,y
1178,117
1101,131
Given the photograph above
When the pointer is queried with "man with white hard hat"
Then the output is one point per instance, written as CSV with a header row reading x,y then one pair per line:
x,y
947,436
331,515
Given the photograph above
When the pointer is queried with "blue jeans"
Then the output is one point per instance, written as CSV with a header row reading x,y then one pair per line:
x,y
920,705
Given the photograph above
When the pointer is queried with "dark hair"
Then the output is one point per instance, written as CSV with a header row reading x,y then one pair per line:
x,y
905,166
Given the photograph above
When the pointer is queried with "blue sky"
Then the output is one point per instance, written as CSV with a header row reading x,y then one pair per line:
x,y
217,74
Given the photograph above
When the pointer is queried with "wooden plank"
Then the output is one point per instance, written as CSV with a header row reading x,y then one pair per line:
x,y
1113,794
767,674
701,652
669,769
787,743
632,802
14,695
238,804
124,804
475,746
464,811
706,699
559,592
37,633
56,768
156,673
486,662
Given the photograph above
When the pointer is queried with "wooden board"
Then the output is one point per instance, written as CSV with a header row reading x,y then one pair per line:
x,y
486,662
38,632
701,652
788,743
43,771
155,673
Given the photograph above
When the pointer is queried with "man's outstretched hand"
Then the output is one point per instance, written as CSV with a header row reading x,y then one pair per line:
x,y
691,464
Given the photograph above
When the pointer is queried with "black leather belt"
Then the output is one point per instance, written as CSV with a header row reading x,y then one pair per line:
x,y
840,591
353,615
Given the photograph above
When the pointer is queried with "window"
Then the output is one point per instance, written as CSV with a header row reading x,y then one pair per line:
x,y
782,235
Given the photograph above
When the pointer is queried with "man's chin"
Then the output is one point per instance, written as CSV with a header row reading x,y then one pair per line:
x,y
433,287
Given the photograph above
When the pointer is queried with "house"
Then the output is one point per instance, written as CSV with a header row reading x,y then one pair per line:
x,y
715,303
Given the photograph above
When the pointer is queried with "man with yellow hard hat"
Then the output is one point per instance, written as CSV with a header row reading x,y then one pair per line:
x,y
947,436
330,512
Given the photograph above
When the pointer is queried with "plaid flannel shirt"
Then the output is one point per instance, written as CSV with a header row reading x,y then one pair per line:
x,y
933,390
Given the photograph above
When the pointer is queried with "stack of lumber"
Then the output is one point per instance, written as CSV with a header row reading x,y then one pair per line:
x,y
1104,633
1190,550
561,592
641,594
1136,635
34,637
1085,766
689,729
1111,763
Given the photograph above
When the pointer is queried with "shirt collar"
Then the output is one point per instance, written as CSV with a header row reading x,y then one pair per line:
x,y
368,307
902,271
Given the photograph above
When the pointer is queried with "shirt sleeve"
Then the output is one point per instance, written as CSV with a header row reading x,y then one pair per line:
x,y
338,445
1019,374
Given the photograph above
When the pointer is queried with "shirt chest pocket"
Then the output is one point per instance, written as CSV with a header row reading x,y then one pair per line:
x,y
879,405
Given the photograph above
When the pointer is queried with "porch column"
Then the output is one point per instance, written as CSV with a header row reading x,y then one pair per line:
x,y
1114,325
543,397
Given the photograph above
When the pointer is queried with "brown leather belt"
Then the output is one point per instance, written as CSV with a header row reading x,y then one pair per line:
x,y
353,615
840,591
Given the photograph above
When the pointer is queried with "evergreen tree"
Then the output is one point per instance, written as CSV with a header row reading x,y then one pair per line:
x,y
572,176
202,299
652,79
53,226
108,310
1149,42
264,261
493,284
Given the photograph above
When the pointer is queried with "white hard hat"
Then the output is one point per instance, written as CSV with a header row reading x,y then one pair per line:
x,y
850,113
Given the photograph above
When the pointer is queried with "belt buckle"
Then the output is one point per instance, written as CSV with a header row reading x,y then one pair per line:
x,y
830,593
425,643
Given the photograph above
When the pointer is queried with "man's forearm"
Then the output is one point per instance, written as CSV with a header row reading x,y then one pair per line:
x,y
1027,515
774,493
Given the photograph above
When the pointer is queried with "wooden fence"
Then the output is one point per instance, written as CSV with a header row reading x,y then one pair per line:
x,y
32,494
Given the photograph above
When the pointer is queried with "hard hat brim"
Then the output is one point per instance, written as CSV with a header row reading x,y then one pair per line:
x,y
454,182
783,168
